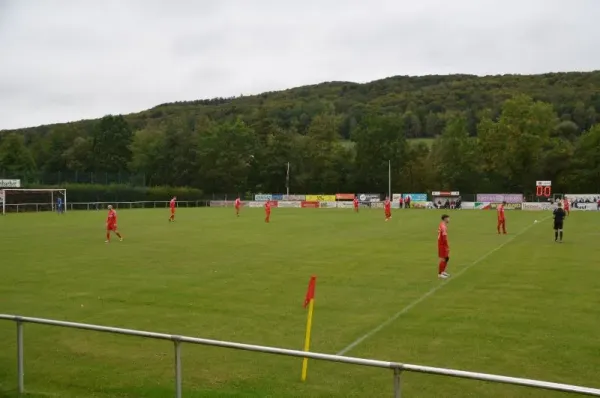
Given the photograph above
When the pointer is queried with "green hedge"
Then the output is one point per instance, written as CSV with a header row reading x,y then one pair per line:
x,y
125,193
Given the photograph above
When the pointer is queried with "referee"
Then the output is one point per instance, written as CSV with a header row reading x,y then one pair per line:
x,y
559,217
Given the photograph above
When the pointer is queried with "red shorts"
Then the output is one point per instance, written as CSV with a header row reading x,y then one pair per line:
x,y
237,207
111,227
443,251
172,210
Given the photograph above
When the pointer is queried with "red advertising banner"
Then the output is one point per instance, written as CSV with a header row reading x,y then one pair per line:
x,y
311,205
344,196
274,203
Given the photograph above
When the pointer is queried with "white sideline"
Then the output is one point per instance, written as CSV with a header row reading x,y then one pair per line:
x,y
432,291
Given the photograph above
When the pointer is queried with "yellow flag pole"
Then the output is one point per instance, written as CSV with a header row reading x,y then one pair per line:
x,y
307,339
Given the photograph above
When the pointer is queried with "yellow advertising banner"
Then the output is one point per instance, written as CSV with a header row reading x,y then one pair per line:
x,y
320,198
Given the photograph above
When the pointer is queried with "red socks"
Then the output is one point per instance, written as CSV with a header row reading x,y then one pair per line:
x,y
442,267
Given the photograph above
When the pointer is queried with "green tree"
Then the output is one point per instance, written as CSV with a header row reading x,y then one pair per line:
x,y
15,158
111,144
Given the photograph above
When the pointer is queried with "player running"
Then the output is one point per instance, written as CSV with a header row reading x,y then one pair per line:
x,y
268,211
501,218
559,217
355,202
387,206
238,204
173,205
567,206
111,224
443,247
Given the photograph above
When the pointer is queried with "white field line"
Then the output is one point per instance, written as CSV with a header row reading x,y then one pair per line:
x,y
432,291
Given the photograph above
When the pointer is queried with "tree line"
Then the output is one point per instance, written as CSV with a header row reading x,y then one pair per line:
x,y
492,134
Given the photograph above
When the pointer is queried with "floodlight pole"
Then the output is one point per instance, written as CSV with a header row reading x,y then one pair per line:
x,y
390,179
287,179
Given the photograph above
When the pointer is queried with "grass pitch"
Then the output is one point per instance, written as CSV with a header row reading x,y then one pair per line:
x,y
526,308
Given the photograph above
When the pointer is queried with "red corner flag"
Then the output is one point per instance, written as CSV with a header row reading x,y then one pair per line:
x,y
309,302
310,293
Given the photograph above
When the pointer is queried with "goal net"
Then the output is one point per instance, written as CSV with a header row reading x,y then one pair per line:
x,y
32,200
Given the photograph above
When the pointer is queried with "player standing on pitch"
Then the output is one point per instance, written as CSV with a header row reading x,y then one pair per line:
x,y
172,205
355,202
111,224
387,206
559,217
567,206
443,247
238,204
501,218
267,211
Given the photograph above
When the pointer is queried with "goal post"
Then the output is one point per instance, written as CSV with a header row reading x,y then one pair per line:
x,y
16,200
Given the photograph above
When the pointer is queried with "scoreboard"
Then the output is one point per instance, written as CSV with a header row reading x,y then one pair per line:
x,y
543,188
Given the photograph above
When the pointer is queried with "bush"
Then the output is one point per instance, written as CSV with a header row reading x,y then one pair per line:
x,y
125,193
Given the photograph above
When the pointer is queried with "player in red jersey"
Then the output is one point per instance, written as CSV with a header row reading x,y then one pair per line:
x,y
267,211
111,224
501,218
443,247
355,202
238,204
567,206
173,205
387,207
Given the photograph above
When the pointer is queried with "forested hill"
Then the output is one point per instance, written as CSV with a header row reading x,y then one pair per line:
x,y
422,101
492,134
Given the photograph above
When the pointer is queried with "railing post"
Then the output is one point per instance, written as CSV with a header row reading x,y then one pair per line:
x,y
177,368
397,386
20,363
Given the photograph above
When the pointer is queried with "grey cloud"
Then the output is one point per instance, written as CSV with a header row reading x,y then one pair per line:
x,y
76,59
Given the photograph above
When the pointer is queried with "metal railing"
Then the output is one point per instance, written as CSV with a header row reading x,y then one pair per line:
x,y
397,368
69,206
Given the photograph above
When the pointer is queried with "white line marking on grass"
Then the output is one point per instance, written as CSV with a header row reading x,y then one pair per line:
x,y
432,291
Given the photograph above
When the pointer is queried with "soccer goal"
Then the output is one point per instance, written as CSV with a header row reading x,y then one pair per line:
x,y
28,200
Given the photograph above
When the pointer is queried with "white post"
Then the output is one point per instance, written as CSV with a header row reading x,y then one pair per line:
x,y
287,179
390,179
397,388
65,200
52,201
177,368
3,195
20,362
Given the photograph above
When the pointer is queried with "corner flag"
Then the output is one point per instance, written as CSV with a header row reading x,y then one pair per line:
x,y
309,302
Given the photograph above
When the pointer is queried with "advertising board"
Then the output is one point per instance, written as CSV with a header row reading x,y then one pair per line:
x,y
289,204
396,197
320,198
376,205
422,205
369,197
277,196
298,198
537,206
468,205
256,204
494,206
445,193
220,203
261,197
344,196
345,205
10,183
328,205
500,197
307,204
416,197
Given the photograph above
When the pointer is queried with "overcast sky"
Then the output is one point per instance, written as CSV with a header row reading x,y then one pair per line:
x,y
67,60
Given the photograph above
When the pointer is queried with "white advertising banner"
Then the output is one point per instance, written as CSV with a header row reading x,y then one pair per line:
x,y
467,205
10,183
327,205
291,204
345,205
256,204
537,206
